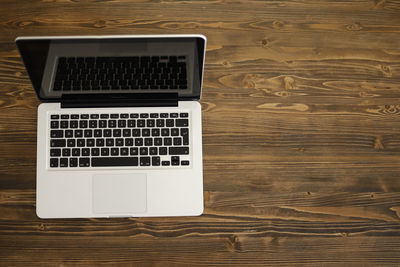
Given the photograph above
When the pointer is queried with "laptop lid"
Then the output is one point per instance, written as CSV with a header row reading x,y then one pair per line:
x,y
68,66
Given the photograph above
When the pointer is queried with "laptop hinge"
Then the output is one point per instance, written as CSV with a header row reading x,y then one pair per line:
x,y
119,100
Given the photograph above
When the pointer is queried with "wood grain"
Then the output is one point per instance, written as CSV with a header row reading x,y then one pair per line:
x,y
301,144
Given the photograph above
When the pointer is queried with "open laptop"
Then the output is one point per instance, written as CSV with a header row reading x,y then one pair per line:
x,y
119,129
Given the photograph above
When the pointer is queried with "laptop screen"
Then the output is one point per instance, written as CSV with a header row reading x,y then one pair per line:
x,y
114,64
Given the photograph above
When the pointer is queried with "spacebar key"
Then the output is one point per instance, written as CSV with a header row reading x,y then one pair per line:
x,y
115,161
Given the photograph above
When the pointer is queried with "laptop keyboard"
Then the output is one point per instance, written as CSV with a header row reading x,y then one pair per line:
x,y
120,73
119,139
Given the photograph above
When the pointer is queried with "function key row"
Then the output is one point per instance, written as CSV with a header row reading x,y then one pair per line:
x,y
119,123
117,116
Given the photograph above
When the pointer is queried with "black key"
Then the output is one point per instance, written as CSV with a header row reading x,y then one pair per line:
x,y
73,162
170,123
134,115
131,123
112,123
107,133
133,151
164,115
84,162
66,152
144,151
144,115
119,142
184,150
135,132
76,152
80,142
121,123
175,161
167,141
141,123
164,132
153,151
114,151
90,142
63,124
155,161
95,151
173,115
83,124
92,124
85,152
102,123
128,141
57,142
158,141
99,142
74,116
97,133
85,116
126,132
160,123
64,162
115,161
109,142
73,124
54,124
148,141
54,162
65,116
55,117
117,133
165,163
78,133
181,122
184,115
153,115
146,132
114,116
144,161
88,133
55,152
124,151
184,162
124,115
185,136
57,133
162,151
177,141
174,132
70,142
150,123
69,133
105,151
155,132
104,116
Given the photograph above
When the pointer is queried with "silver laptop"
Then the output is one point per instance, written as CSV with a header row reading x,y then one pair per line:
x,y
119,127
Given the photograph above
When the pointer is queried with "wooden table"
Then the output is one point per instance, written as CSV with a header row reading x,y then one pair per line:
x,y
301,119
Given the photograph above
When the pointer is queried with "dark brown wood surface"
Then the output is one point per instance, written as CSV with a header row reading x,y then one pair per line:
x,y
301,120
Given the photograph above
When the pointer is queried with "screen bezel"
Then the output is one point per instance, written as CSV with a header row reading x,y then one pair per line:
x,y
34,60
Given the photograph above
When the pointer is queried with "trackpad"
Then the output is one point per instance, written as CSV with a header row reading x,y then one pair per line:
x,y
119,193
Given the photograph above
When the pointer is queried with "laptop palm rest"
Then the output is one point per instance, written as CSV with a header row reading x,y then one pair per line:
x,y
119,193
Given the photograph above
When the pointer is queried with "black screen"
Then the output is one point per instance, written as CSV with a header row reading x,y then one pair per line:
x,y
103,65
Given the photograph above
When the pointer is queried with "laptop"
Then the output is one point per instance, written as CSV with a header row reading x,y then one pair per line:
x,y
119,126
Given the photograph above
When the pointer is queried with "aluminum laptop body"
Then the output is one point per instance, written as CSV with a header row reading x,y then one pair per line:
x,y
119,127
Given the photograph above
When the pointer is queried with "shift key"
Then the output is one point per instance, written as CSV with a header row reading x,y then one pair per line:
x,y
180,150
